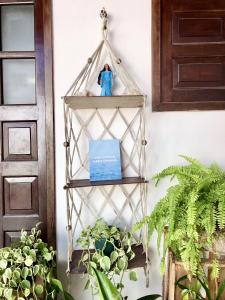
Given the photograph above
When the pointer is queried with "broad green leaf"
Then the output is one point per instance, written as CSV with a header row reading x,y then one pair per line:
x,y
57,284
29,261
47,256
133,276
8,293
36,269
16,274
105,263
13,283
113,256
8,273
122,263
25,284
3,264
26,292
106,290
39,289
25,272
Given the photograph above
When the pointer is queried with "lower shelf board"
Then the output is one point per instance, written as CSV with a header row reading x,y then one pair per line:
x,y
87,183
138,262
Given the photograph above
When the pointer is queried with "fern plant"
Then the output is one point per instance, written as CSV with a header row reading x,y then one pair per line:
x,y
193,210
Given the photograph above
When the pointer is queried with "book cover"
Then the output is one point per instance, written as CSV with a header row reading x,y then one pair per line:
x,y
104,160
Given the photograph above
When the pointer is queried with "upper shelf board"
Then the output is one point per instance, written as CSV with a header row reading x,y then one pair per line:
x,y
88,102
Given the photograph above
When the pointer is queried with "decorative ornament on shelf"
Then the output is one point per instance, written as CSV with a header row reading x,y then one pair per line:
x,y
94,71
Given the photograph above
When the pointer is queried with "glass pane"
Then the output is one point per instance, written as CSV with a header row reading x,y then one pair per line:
x,y
17,25
18,81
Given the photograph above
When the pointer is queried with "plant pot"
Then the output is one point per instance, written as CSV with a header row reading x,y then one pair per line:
x,y
108,248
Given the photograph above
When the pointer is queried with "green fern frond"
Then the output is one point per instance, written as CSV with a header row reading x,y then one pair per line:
x,y
193,210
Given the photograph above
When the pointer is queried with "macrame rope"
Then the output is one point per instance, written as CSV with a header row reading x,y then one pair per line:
x,y
77,129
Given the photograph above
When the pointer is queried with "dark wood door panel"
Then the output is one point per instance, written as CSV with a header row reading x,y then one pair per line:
x,y
21,195
20,141
26,138
189,59
200,27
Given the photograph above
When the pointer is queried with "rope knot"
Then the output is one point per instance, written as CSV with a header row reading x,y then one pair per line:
x,y
103,13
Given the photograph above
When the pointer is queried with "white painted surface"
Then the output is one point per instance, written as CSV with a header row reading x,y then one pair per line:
x,y
198,134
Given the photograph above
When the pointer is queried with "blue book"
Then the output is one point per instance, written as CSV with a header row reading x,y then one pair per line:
x,y
104,160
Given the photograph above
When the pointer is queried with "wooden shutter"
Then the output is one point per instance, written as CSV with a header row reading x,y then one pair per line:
x,y
26,120
188,54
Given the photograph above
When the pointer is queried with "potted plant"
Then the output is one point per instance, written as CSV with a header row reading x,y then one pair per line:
x,y
193,210
107,249
27,270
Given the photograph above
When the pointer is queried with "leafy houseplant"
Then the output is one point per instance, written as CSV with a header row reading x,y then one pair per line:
x,y
193,290
27,270
107,249
194,211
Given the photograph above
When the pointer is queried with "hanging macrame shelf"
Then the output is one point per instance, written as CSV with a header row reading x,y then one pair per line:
x,y
80,191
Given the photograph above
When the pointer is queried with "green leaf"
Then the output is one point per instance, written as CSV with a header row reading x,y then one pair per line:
x,y
25,272
57,284
8,273
122,263
85,257
39,289
25,284
105,263
150,297
106,290
47,256
133,276
3,264
26,292
67,296
8,293
13,283
113,256
220,290
29,261
16,274
36,269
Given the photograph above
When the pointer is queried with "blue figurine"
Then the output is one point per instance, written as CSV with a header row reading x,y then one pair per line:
x,y
105,79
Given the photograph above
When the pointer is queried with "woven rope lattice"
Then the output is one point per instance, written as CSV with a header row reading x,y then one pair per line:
x,y
123,204
95,118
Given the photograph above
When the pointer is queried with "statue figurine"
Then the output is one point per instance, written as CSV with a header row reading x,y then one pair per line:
x,y
105,80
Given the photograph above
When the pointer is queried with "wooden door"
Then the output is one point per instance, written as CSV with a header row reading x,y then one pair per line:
x,y
26,119
188,54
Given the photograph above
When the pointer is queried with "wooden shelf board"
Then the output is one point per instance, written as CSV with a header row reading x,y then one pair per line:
x,y
85,102
138,262
87,183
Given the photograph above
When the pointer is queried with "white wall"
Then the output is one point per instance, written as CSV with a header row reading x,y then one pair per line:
x,y
198,134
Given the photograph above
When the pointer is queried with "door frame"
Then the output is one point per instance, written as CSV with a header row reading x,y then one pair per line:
x,y
49,121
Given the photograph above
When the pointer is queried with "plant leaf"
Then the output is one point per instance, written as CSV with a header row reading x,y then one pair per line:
x,y
150,297
220,290
57,284
133,276
105,263
39,289
107,291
